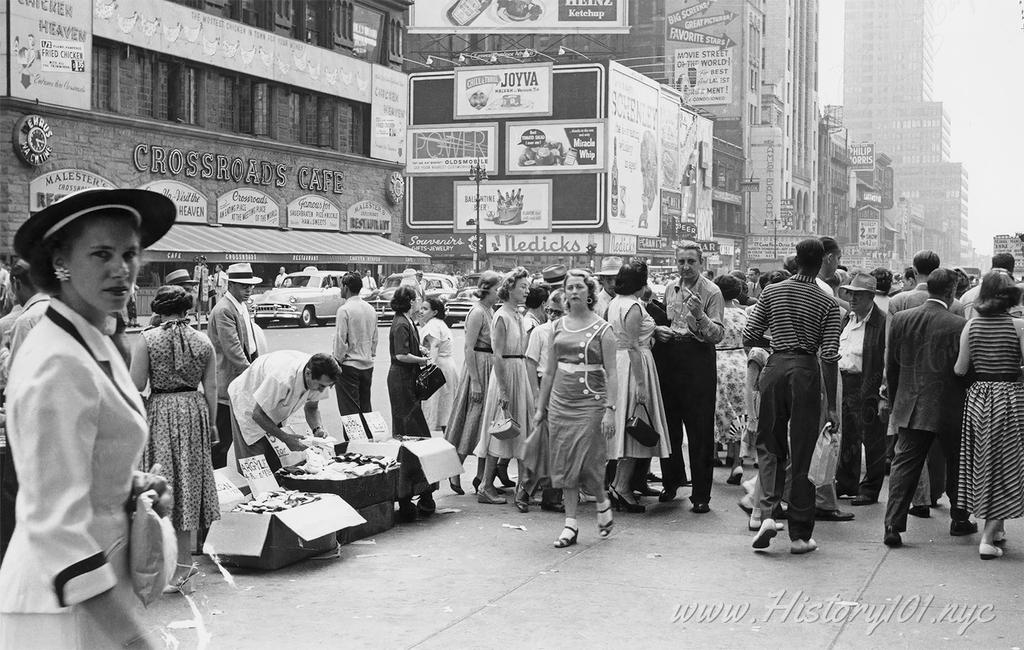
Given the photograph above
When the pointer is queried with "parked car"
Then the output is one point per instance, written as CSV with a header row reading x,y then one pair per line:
x,y
458,308
439,286
306,297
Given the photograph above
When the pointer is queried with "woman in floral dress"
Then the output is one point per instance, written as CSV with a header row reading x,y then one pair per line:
x,y
730,406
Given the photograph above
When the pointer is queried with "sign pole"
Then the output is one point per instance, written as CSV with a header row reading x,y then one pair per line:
x,y
477,173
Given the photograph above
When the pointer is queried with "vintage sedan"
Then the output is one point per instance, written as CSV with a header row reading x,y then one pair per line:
x,y
307,298
439,286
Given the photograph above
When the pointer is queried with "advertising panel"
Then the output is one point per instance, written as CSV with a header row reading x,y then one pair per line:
x,y
50,52
704,75
766,157
700,50
766,247
171,28
1008,244
867,238
191,204
634,205
389,112
445,245
54,186
555,147
485,92
519,17
862,156
312,212
519,205
450,149
248,207
368,216
670,139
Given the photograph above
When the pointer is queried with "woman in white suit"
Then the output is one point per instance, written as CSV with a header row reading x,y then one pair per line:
x,y
76,427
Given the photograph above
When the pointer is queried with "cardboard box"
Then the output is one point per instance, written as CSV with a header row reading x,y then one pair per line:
x,y
379,518
423,461
358,492
271,541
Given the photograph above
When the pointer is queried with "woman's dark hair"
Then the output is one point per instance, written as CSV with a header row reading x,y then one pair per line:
x,y
588,280
402,301
998,294
778,276
510,280
488,280
324,365
647,294
729,286
171,300
632,277
437,307
40,258
536,298
883,279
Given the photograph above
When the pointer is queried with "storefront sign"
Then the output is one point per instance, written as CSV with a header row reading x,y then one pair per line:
x,y
51,51
450,149
766,156
486,92
633,202
31,137
446,245
190,202
671,214
1007,244
704,75
862,156
555,147
874,198
246,207
623,245
723,196
170,28
369,216
541,244
546,17
761,247
389,112
54,186
868,233
653,244
312,212
504,206
172,161
709,247
787,214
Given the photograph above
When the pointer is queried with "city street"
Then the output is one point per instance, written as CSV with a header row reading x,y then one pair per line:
x,y
665,578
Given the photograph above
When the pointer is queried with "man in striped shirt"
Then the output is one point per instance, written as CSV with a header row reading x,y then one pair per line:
x,y
803,321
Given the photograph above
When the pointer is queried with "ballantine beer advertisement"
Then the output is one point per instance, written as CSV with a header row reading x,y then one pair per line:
x,y
485,92
555,147
504,206
519,16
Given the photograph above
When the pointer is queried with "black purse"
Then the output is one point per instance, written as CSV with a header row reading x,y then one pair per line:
x,y
428,382
641,430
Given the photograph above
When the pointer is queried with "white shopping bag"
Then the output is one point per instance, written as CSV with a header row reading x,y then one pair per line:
x,y
826,457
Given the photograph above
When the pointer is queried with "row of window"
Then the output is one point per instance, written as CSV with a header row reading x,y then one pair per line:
x,y
144,84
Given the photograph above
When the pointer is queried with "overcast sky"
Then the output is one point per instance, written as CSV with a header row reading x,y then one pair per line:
x,y
978,76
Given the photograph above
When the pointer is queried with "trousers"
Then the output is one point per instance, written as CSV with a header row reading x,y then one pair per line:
x,y
861,427
912,447
690,403
353,390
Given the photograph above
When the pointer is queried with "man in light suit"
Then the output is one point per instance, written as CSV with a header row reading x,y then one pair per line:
x,y
234,338
927,400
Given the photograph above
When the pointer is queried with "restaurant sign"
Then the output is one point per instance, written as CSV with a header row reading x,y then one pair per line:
x,y
312,212
190,202
248,207
53,186
369,216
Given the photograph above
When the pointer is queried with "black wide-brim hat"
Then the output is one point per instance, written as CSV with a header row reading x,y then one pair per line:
x,y
154,213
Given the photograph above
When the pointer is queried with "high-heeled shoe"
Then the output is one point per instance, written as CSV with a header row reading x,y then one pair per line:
x,y
502,474
736,477
604,530
483,497
522,501
620,502
456,485
563,541
183,585
476,485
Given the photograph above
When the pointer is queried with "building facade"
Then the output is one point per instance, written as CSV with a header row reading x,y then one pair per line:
x,y
834,177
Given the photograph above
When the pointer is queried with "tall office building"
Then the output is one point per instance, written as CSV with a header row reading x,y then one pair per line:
x,y
887,87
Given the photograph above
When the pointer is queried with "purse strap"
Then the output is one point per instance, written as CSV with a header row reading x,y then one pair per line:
x,y
637,406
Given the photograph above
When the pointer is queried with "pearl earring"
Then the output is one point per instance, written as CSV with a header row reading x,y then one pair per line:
x,y
62,274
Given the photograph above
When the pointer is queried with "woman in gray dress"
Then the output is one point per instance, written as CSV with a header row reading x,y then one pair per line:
x,y
577,399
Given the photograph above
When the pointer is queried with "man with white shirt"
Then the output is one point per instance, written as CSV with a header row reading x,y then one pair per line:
x,y
232,333
355,347
269,392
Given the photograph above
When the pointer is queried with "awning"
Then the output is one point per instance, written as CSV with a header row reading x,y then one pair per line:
x,y
226,244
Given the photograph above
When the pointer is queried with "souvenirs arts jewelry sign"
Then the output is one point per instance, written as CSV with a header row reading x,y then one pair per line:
x,y
450,149
555,147
523,205
483,92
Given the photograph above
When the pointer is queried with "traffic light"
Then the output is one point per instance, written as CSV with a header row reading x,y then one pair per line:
x,y
591,249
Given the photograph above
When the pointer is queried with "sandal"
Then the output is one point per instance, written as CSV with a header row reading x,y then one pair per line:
x,y
563,541
604,530
183,585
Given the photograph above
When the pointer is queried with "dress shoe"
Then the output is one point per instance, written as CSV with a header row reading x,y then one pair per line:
x,y
700,508
801,546
863,501
490,499
653,478
832,515
765,534
406,511
667,494
962,528
426,505
754,524
919,511
892,538
735,477
620,502
646,491
552,507
989,552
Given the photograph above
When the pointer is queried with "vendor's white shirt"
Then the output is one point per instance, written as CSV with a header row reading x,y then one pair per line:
x,y
539,346
243,313
851,346
275,382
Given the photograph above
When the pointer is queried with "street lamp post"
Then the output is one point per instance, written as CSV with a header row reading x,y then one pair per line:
x,y
749,186
477,174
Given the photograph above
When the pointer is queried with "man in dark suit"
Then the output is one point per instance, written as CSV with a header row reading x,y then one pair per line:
x,y
233,335
928,400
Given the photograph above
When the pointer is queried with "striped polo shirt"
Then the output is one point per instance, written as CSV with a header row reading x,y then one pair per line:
x,y
801,316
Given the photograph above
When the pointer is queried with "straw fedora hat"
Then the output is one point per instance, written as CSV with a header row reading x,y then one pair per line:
x,y
610,266
241,273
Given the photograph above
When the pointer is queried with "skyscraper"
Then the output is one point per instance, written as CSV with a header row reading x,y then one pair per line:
x,y
887,92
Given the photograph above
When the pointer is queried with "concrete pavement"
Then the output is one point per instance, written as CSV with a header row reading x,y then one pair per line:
x,y
665,578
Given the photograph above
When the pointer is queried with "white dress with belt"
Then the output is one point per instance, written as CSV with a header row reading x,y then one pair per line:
x,y
76,440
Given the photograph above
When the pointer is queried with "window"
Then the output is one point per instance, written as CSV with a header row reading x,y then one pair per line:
x,y
250,12
102,76
178,92
312,22
367,25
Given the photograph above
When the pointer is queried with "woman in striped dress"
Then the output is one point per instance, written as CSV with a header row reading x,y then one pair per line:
x,y
991,483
